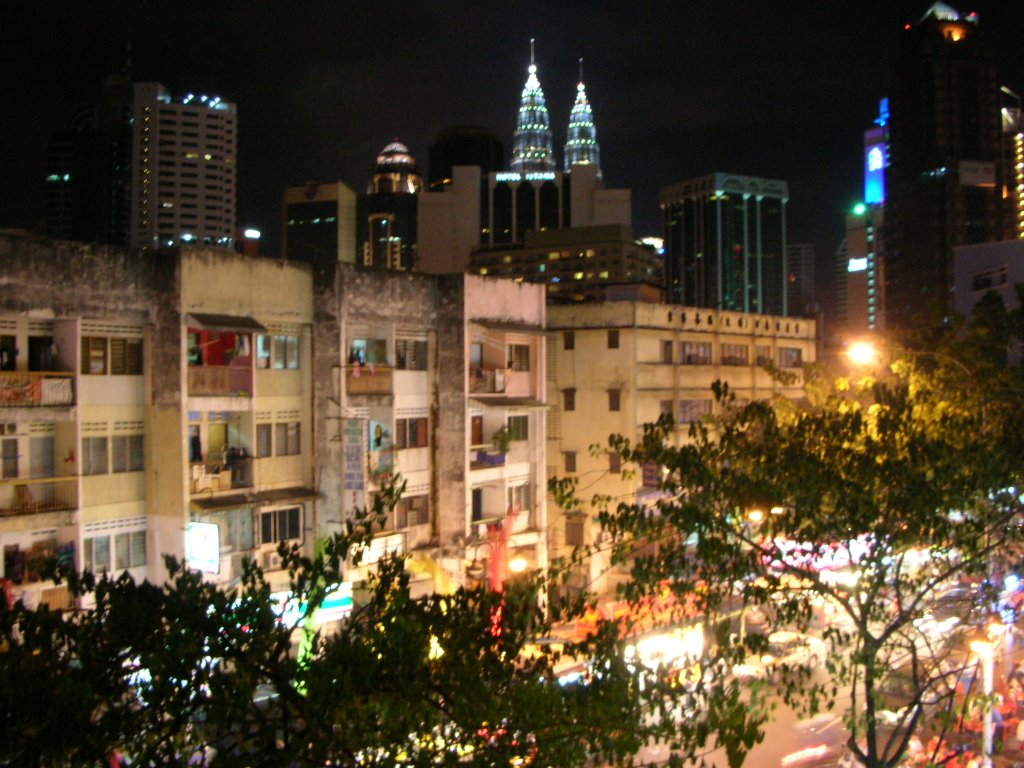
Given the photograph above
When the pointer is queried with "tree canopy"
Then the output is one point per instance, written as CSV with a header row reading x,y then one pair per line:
x,y
885,508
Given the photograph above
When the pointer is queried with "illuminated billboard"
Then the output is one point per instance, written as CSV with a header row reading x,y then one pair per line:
x,y
202,547
874,166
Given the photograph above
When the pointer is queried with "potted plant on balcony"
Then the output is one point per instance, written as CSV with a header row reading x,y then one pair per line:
x,y
501,441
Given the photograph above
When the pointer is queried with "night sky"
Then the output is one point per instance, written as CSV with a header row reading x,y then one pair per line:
x,y
776,88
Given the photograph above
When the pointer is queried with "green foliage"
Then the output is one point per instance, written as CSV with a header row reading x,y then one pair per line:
x,y
912,471
186,671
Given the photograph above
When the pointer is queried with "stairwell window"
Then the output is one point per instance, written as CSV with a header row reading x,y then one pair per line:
x,y
614,463
570,460
613,339
569,340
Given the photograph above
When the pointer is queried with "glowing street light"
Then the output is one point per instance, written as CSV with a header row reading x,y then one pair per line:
x,y
862,353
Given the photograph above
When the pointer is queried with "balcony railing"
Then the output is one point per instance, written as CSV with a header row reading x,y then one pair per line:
x,y
36,388
220,380
486,379
27,496
368,379
208,477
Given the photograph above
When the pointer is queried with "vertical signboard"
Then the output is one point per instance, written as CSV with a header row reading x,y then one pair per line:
x,y
354,469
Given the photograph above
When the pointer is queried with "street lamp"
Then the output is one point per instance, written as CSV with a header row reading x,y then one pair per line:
x,y
862,353
985,649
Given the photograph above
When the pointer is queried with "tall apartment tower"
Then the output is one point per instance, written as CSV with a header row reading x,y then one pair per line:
x,y
800,289
183,183
725,241
944,178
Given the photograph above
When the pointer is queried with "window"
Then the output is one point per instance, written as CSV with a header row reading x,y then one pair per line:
x,y
519,357
666,351
790,357
411,433
519,498
574,533
519,427
411,354
614,463
286,352
613,339
286,439
764,354
696,353
665,408
264,446
262,351
569,399
280,525
412,510
692,410
96,553
570,460
735,354
94,355
94,456
614,399
10,458
569,340
368,351
129,550
126,357
126,453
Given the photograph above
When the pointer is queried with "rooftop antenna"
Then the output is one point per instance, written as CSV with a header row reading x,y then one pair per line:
x,y
581,69
531,51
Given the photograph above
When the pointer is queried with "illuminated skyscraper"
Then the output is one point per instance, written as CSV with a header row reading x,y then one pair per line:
x,y
532,142
183,169
581,147
386,214
944,181
725,241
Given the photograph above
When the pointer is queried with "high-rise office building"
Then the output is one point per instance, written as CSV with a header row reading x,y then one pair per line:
x,y
183,183
533,148
463,145
88,162
386,214
800,283
944,178
725,241
320,223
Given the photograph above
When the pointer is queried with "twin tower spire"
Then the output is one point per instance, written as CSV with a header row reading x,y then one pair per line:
x,y
533,145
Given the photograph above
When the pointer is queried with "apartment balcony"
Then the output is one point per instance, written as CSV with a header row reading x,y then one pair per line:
x,y
33,388
29,496
368,379
220,381
209,477
487,380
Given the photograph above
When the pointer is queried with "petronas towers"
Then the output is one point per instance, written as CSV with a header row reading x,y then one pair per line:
x,y
533,143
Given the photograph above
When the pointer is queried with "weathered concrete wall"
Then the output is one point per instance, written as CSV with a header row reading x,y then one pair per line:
x,y
452,386
56,278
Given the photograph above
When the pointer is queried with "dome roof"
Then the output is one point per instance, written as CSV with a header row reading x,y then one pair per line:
x,y
395,153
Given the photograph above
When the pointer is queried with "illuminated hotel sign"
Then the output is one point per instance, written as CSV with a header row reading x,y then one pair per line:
x,y
531,176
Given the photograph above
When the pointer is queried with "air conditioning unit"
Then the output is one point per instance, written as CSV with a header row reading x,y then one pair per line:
x,y
271,561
